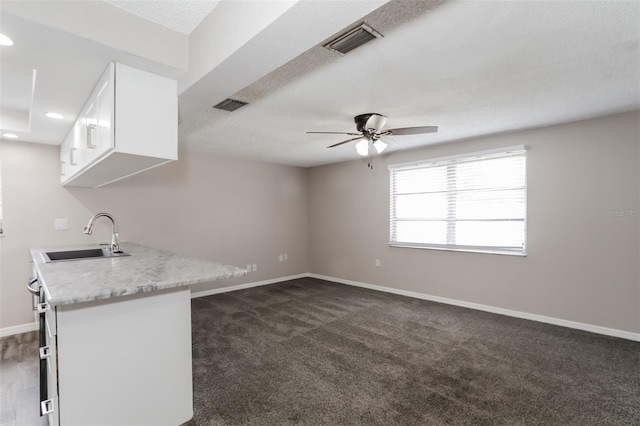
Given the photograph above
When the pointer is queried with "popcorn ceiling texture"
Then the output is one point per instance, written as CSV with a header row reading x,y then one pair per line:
x,y
471,68
182,16
384,19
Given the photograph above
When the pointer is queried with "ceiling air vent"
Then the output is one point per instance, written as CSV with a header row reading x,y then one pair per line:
x,y
353,38
230,105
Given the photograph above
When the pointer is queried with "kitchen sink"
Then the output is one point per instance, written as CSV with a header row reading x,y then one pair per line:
x,y
57,256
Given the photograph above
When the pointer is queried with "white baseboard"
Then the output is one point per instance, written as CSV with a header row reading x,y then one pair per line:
x,y
508,312
246,285
18,329
24,328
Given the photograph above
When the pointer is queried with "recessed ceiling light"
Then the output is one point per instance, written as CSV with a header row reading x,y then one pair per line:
x,y
54,115
10,135
5,41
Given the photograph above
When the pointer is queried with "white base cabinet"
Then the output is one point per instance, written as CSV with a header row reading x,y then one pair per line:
x,y
129,124
125,361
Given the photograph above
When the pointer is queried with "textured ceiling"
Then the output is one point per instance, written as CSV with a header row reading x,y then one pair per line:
x,y
182,16
472,68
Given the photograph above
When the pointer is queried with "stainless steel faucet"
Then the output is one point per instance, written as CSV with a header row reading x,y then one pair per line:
x,y
115,248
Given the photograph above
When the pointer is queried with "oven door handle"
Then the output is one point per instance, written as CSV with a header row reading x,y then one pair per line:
x,y
34,291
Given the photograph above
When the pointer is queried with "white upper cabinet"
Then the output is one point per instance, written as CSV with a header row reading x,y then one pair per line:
x,y
129,124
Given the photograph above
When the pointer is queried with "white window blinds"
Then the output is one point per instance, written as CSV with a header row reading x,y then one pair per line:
x,y
472,203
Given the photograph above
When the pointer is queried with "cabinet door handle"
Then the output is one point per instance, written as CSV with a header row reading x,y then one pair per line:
x,y
32,281
35,292
72,156
62,168
45,352
91,131
43,307
46,407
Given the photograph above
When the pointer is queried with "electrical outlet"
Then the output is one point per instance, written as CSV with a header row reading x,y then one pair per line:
x,y
248,268
286,256
254,267
377,262
61,224
281,257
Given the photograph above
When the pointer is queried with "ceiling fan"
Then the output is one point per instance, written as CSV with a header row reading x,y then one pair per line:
x,y
370,133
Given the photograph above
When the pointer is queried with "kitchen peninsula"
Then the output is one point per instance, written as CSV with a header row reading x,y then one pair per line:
x,y
118,335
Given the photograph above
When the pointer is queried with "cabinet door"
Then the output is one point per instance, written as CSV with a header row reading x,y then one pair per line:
x,y
64,160
95,124
104,113
92,135
74,153
69,156
89,128
108,370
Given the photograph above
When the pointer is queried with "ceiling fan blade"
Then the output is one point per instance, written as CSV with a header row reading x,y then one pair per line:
x,y
343,142
335,133
411,130
389,140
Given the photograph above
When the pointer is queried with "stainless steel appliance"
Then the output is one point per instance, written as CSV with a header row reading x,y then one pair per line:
x,y
41,306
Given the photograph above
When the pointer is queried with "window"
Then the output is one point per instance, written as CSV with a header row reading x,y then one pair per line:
x,y
473,203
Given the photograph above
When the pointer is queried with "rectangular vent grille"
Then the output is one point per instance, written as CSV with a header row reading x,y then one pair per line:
x,y
354,38
230,105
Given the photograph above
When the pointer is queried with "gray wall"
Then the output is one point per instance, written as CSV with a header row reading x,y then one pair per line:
x,y
333,220
581,265
233,211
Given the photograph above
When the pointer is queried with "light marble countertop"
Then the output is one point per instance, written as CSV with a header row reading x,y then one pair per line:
x,y
146,270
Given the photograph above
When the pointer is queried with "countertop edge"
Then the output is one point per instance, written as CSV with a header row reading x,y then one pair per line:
x,y
114,291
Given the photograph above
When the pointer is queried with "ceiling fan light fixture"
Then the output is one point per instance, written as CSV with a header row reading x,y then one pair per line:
x,y
379,146
372,138
362,147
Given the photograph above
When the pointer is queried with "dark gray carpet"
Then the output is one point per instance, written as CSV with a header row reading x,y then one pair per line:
x,y
313,352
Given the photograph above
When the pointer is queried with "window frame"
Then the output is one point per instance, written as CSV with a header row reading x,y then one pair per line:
x,y
518,150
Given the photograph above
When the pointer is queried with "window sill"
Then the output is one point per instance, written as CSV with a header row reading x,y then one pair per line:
x,y
468,249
